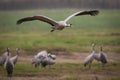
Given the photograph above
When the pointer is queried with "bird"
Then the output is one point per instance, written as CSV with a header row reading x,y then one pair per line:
x,y
101,56
49,60
15,58
9,66
58,25
89,59
38,57
36,61
44,58
3,58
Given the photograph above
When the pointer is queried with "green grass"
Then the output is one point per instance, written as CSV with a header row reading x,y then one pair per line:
x,y
73,71
102,29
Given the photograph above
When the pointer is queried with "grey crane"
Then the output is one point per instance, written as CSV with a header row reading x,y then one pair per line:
x,y
101,56
15,58
37,58
88,60
36,61
9,65
3,58
44,58
49,60
58,25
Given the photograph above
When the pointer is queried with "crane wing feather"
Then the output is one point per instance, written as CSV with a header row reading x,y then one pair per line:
x,y
90,12
41,18
103,58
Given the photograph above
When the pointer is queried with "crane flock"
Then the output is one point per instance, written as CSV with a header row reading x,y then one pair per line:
x,y
100,57
44,58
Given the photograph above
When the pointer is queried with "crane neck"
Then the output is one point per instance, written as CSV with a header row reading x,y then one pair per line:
x,y
93,45
17,51
8,55
8,52
101,49
93,48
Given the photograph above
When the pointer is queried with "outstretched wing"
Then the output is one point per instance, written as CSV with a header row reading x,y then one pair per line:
x,y
91,12
41,18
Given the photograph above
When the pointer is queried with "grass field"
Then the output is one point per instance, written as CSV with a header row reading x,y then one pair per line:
x,y
102,30
66,71
31,37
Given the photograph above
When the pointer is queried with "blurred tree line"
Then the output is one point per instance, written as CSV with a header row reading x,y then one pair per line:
x,y
35,4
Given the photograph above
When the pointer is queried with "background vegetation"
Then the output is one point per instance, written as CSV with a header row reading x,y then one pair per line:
x,y
43,4
102,29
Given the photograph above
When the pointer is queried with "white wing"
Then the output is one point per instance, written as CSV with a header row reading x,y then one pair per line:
x,y
91,12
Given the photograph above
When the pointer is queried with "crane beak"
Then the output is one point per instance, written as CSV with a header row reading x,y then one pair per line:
x,y
70,25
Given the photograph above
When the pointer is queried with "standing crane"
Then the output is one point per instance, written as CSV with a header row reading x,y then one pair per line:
x,y
3,58
9,65
15,58
88,60
101,56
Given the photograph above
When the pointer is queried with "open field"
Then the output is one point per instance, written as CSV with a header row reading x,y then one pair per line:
x,y
68,67
32,37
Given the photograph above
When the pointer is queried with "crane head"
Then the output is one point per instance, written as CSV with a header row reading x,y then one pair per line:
x,y
69,25
93,44
8,50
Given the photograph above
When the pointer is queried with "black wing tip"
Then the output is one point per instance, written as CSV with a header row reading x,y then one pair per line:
x,y
25,19
89,12
94,12
18,22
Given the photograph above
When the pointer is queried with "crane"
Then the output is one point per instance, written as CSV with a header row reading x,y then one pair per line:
x,y
36,61
44,58
9,66
3,58
38,57
88,60
15,58
58,25
49,60
101,56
